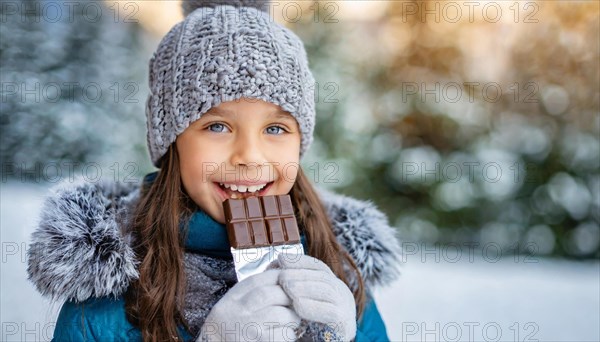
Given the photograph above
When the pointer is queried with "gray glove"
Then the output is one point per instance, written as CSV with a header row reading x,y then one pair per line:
x,y
254,309
318,294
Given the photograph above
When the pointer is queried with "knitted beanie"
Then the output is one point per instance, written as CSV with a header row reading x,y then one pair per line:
x,y
223,51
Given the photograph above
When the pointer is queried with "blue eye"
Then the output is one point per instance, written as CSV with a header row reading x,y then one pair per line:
x,y
218,125
277,127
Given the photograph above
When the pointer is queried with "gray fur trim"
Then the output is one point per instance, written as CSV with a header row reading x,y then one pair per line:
x,y
190,6
364,231
81,250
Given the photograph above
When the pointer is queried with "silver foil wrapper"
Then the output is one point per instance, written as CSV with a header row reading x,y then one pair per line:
x,y
250,261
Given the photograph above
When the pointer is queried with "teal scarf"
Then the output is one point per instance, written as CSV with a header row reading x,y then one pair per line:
x,y
205,235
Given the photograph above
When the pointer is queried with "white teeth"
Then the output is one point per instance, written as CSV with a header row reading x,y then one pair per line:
x,y
243,188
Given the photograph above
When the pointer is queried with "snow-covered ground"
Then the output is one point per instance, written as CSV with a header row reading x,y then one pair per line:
x,y
482,300
440,296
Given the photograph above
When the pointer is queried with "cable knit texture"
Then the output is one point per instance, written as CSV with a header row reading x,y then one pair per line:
x,y
222,53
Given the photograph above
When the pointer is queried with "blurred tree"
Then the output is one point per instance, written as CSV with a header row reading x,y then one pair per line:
x,y
429,158
73,89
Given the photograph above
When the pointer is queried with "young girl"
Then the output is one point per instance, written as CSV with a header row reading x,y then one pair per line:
x,y
230,114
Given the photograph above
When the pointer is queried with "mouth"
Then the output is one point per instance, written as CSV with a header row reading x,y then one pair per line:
x,y
227,192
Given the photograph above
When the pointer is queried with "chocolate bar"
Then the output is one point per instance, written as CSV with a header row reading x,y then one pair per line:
x,y
259,229
261,221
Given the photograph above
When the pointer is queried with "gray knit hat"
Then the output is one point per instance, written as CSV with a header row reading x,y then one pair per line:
x,y
223,51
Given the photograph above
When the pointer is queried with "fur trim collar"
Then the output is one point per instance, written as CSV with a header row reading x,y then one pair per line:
x,y
81,249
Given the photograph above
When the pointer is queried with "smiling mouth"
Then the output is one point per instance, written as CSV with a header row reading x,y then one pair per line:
x,y
236,194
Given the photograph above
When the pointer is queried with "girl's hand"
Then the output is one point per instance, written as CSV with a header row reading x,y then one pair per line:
x,y
255,309
318,294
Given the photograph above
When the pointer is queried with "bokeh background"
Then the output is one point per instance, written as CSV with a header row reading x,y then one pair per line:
x,y
475,126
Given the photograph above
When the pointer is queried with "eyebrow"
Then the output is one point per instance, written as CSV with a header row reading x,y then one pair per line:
x,y
218,112
279,114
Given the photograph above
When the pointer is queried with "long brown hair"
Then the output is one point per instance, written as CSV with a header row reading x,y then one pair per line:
x,y
154,303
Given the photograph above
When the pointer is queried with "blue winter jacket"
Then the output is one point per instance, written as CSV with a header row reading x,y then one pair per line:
x,y
82,253
103,319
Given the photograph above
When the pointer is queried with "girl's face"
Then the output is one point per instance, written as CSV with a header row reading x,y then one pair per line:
x,y
236,150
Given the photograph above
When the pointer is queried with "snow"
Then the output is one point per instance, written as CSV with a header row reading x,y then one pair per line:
x,y
482,300
438,297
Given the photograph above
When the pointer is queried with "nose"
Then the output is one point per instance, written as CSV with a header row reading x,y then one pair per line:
x,y
248,151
